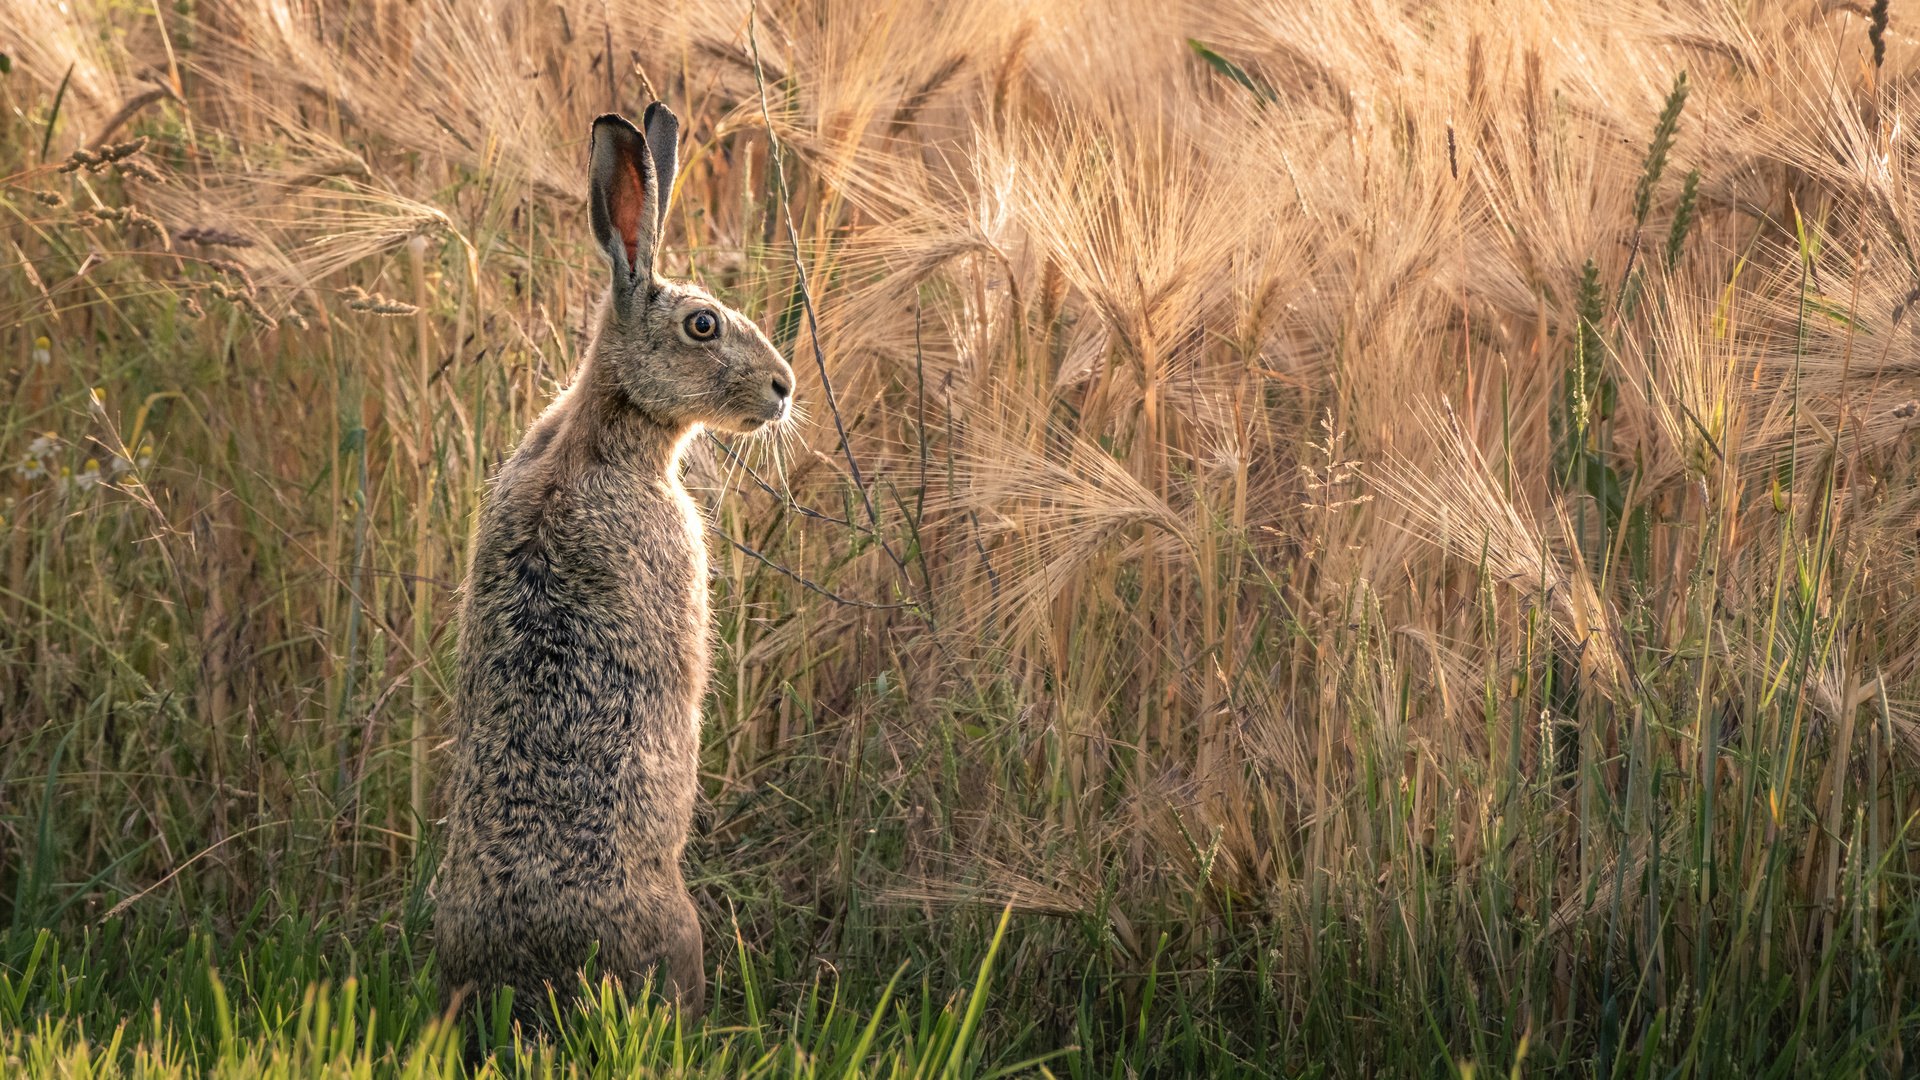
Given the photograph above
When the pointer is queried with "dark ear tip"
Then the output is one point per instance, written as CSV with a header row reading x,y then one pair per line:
x,y
615,120
656,109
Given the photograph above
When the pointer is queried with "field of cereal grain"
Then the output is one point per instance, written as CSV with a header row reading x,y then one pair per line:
x,y
1335,541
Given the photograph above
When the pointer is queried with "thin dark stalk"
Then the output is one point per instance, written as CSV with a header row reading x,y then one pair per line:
x,y
810,585
920,432
784,500
806,297
920,386
613,83
53,117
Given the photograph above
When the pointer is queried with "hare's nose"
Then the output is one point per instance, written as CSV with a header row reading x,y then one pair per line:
x,y
780,387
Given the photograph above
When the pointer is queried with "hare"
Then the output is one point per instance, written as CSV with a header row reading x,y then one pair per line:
x,y
584,638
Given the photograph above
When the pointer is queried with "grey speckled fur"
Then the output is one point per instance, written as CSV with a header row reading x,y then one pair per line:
x,y
584,636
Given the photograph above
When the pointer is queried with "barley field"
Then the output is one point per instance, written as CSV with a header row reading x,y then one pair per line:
x,y
1341,540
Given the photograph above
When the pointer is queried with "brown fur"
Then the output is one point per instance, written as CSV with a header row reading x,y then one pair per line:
x,y
584,635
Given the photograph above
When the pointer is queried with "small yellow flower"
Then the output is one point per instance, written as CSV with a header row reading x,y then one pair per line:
x,y
42,350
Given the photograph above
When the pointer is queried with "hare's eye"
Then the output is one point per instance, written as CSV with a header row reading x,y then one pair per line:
x,y
703,326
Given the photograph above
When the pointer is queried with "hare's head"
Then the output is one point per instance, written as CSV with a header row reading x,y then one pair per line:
x,y
682,357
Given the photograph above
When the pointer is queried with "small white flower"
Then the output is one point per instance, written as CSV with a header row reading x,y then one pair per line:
x,y
89,476
42,350
142,458
64,482
40,452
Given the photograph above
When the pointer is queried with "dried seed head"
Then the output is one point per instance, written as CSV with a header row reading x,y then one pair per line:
x,y
236,271
1877,32
1906,302
241,299
50,198
119,151
137,219
346,165
215,238
359,299
77,159
140,170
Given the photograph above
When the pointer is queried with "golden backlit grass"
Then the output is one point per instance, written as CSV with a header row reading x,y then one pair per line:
x,y
1419,489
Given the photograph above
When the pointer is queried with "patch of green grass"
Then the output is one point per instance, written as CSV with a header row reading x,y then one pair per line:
x,y
873,992
295,1000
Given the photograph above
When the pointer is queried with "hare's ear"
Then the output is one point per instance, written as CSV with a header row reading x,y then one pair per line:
x,y
625,199
663,138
